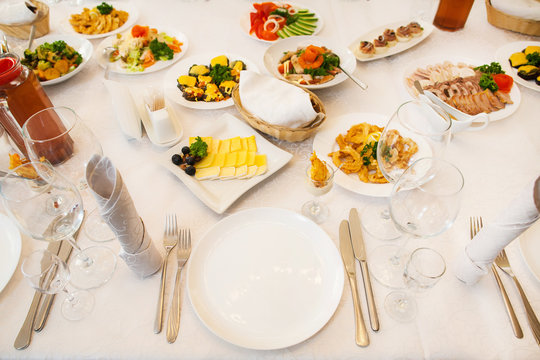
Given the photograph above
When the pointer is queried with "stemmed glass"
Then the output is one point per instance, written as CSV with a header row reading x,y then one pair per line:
x,y
48,274
424,269
46,206
315,209
417,129
67,144
424,203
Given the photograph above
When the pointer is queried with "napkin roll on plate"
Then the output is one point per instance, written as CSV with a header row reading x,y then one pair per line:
x,y
472,263
275,101
118,211
17,12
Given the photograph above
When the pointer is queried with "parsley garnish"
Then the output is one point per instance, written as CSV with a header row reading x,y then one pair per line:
x,y
487,82
493,68
368,152
198,148
104,8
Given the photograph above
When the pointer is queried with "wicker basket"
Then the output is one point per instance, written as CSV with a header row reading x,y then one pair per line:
x,y
510,22
282,132
22,31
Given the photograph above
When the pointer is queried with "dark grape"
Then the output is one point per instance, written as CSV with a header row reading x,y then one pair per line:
x,y
177,159
190,170
185,150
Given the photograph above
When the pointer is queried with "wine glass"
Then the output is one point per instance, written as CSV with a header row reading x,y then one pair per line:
x,y
48,274
417,129
315,209
60,137
46,206
424,203
424,269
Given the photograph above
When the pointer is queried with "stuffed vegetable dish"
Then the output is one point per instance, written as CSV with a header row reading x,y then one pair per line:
x,y
311,65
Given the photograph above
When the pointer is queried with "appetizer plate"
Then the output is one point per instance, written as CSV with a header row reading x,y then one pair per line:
x,y
182,68
397,48
130,8
265,278
80,44
508,110
116,66
10,249
245,21
530,248
504,52
220,194
275,52
325,143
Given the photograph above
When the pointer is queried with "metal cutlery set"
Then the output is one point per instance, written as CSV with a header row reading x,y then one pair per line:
x,y
503,263
351,244
181,239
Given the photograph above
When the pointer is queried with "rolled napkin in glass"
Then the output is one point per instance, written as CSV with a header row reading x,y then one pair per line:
x,y
275,101
474,262
118,211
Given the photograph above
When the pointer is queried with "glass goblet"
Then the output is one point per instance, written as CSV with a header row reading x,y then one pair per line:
x,y
424,203
315,209
424,269
417,129
48,274
48,207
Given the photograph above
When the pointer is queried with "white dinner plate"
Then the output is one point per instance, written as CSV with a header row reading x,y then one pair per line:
x,y
80,44
392,50
220,194
503,54
325,143
245,21
129,7
116,66
182,68
265,278
10,249
530,248
275,52
508,110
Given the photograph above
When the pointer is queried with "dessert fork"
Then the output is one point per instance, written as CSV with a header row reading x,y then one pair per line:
x,y
502,262
182,254
170,238
476,225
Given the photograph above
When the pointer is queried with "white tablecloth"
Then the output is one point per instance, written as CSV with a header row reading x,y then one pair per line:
x,y
454,321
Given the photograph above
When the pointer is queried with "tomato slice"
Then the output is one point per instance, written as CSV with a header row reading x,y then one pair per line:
x,y
504,82
140,31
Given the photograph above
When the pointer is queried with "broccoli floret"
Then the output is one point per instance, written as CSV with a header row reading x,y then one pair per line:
x,y
160,50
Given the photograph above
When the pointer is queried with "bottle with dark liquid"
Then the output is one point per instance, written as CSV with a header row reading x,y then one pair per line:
x,y
21,96
452,14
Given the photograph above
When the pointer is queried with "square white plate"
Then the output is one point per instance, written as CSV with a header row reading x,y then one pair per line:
x,y
220,194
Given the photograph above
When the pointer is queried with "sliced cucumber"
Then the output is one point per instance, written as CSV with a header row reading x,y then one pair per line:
x,y
292,31
300,29
306,14
307,25
287,32
282,34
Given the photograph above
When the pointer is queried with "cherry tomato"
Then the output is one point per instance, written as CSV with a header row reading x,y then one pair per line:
x,y
504,82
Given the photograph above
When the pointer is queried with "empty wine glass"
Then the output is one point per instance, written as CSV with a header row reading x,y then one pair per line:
x,y
48,274
417,129
424,269
424,203
318,186
46,206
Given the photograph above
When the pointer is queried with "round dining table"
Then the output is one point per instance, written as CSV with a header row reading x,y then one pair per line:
x,y
454,320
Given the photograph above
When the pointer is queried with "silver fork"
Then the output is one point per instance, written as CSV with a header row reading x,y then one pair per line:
x,y
476,224
170,238
182,254
502,262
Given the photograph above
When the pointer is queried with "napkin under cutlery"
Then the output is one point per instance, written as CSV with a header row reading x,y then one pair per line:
x,y
275,101
474,261
117,209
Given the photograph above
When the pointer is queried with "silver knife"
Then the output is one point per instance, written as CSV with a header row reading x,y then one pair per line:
x,y
64,252
25,334
361,335
360,254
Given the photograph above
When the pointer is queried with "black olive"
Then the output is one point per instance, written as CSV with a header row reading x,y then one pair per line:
x,y
190,160
177,159
185,150
190,170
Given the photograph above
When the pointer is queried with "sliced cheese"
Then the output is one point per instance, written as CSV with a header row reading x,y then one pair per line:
x,y
251,171
227,172
240,171
207,173
252,145
236,144
260,160
261,169
206,139
241,158
230,159
206,161
250,159
245,144
224,146
219,160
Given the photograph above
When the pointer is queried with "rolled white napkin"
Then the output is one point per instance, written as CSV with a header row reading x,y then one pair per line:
x,y
518,216
16,12
525,9
117,209
274,101
125,110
